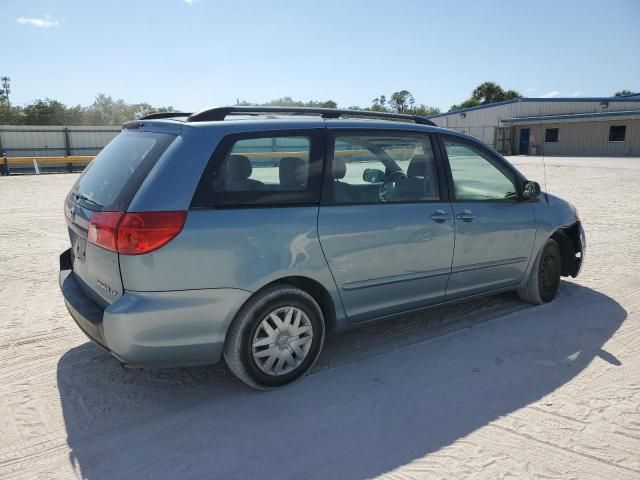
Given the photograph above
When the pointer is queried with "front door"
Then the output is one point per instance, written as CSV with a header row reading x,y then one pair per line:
x,y
495,231
524,141
386,233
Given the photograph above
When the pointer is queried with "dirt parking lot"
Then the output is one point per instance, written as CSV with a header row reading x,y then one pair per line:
x,y
490,388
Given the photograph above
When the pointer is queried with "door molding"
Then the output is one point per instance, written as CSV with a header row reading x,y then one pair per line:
x,y
374,282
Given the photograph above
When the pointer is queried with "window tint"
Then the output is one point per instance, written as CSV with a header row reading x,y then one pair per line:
x,y
111,180
617,133
475,176
262,170
551,135
266,164
381,168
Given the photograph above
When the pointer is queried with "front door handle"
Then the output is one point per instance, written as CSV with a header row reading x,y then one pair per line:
x,y
466,215
439,216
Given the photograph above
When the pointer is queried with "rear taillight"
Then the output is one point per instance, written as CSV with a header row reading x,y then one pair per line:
x,y
134,233
103,229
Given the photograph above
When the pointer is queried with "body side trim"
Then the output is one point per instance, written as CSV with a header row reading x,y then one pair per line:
x,y
480,266
375,282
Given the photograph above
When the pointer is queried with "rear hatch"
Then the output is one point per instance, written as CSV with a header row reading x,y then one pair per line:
x,y
108,184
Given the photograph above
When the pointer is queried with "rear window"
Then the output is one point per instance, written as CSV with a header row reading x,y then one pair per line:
x,y
114,176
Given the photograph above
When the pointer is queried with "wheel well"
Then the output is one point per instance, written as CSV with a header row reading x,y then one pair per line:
x,y
568,240
319,294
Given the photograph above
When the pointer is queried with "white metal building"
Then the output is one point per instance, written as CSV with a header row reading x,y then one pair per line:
x,y
601,126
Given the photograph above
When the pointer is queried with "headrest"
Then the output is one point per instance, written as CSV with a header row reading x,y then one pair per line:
x,y
339,168
238,167
294,172
418,166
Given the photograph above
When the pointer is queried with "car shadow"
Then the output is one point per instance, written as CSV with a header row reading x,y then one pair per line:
x,y
381,395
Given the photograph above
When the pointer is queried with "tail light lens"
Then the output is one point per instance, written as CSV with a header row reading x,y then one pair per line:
x,y
103,229
135,233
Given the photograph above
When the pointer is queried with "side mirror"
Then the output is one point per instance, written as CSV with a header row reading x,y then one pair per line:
x,y
373,175
531,191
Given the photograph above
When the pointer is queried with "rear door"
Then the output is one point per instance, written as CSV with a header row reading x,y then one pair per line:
x,y
108,184
385,229
495,231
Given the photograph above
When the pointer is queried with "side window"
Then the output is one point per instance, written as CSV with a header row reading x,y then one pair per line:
x,y
265,164
383,168
551,135
475,176
261,170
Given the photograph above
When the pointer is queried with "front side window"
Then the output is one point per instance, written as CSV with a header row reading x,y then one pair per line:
x,y
263,170
383,168
617,133
475,175
551,135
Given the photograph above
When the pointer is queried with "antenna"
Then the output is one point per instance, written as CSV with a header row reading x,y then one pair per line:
x,y
544,163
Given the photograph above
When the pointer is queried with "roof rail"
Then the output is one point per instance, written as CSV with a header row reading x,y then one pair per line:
x,y
219,113
153,116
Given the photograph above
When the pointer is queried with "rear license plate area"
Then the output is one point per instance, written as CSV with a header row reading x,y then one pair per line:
x,y
79,248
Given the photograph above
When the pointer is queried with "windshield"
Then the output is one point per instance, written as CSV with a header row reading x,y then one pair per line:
x,y
111,180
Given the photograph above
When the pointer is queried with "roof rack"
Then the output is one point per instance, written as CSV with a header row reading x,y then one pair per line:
x,y
219,113
153,116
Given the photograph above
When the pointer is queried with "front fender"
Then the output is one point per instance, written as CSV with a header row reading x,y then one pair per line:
x,y
555,216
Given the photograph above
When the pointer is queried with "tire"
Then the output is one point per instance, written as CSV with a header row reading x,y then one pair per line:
x,y
281,322
544,279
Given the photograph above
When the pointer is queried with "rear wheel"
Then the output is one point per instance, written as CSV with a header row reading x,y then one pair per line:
x,y
275,338
544,279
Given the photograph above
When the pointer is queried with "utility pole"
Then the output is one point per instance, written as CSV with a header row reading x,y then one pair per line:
x,y
6,87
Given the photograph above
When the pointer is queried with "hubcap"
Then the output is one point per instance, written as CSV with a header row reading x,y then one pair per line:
x,y
282,340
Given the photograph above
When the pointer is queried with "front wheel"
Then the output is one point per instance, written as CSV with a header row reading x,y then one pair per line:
x,y
544,279
275,338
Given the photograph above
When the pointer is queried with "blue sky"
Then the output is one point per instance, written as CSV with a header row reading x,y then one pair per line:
x,y
197,53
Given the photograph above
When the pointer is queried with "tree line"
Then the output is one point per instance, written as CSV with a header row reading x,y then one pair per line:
x,y
103,111
107,111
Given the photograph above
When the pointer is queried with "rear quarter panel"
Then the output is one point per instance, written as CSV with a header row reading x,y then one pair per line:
x,y
236,248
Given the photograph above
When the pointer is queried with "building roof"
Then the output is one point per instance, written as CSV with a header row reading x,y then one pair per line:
x,y
627,98
572,117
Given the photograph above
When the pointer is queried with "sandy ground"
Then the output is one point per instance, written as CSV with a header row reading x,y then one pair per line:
x,y
489,389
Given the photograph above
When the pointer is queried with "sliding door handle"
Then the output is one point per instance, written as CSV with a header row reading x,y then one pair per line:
x,y
466,215
439,216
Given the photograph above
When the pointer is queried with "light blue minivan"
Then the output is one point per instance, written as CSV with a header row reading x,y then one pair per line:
x,y
250,233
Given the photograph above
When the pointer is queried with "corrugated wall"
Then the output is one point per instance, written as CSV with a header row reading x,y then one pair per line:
x,y
491,116
586,138
483,123
43,141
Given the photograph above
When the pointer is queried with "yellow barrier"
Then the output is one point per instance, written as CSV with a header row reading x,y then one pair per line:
x,y
48,160
78,159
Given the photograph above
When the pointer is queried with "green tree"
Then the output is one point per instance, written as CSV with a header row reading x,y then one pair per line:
x,y
623,93
471,102
486,93
379,104
45,112
402,101
425,110
290,102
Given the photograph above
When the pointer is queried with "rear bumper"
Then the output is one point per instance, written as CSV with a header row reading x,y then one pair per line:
x,y
156,329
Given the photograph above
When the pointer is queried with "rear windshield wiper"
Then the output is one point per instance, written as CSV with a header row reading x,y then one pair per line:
x,y
86,199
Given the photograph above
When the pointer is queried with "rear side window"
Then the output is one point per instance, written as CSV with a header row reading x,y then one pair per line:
x,y
261,170
266,164
114,176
